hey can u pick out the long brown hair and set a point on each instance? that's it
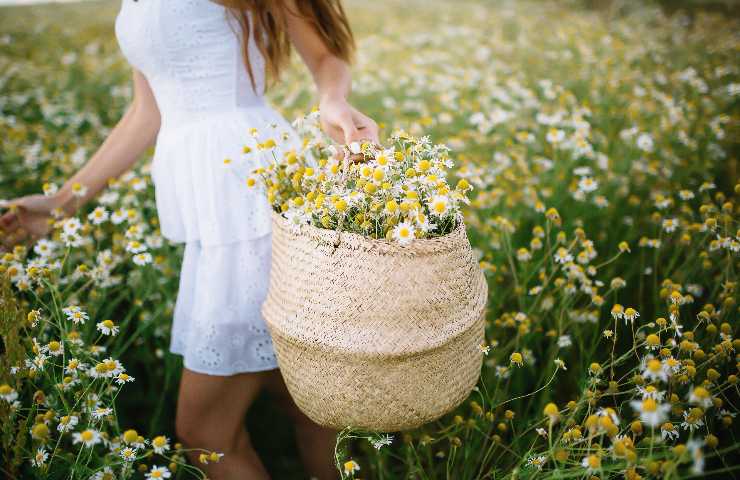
(271, 34)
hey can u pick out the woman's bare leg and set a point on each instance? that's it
(211, 415)
(315, 443)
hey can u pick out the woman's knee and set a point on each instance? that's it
(210, 411)
(188, 430)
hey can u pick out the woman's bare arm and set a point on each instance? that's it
(134, 133)
(333, 80)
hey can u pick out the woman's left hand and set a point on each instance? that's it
(345, 124)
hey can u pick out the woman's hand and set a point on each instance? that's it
(345, 124)
(28, 219)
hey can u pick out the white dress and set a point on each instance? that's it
(190, 53)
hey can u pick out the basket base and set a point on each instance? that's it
(384, 395)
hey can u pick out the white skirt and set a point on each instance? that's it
(217, 326)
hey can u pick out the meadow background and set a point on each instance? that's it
(601, 141)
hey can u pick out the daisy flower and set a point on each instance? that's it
(7, 393)
(124, 378)
(160, 444)
(588, 184)
(350, 467)
(39, 459)
(135, 246)
(105, 474)
(98, 216)
(562, 256)
(101, 412)
(537, 462)
(668, 432)
(439, 205)
(651, 412)
(655, 370)
(128, 454)
(67, 423)
(75, 314)
(158, 472)
(142, 259)
(692, 420)
(382, 441)
(88, 438)
(592, 463)
(700, 396)
(107, 327)
(404, 233)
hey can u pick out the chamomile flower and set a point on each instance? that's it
(537, 462)
(160, 444)
(439, 205)
(562, 256)
(129, 454)
(588, 184)
(156, 473)
(7, 393)
(591, 463)
(67, 423)
(655, 370)
(351, 467)
(40, 458)
(75, 314)
(101, 412)
(88, 438)
(668, 432)
(142, 259)
(404, 233)
(98, 216)
(652, 413)
(107, 327)
(700, 396)
(382, 441)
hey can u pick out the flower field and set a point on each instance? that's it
(600, 148)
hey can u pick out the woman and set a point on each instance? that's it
(199, 72)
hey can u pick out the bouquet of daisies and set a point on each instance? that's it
(397, 192)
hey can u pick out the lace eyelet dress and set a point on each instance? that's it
(190, 52)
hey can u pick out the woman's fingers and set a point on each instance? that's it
(366, 126)
(349, 129)
(8, 219)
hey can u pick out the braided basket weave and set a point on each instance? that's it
(372, 334)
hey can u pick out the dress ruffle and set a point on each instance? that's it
(201, 197)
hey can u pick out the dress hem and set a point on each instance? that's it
(215, 374)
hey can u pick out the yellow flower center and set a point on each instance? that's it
(159, 441)
(40, 430)
(130, 436)
(701, 392)
(654, 365)
(649, 405)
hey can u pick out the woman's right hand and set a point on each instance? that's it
(28, 219)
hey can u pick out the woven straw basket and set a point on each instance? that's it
(371, 334)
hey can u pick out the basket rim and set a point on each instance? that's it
(339, 239)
